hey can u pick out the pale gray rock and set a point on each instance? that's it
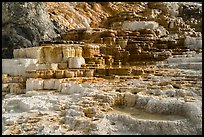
(76, 62)
(138, 25)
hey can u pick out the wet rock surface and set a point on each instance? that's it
(126, 71)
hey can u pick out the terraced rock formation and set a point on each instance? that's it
(114, 68)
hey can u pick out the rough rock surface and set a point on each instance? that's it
(98, 107)
(24, 24)
(141, 73)
(44, 21)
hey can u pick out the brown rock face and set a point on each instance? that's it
(151, 34)
(141, 67)
(61, 17)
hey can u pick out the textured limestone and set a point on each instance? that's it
(193, 42)
(5, 87)
(87, 107)
(195, 66)
(39, 67)
(48, 84)
(46, 74)
(69, 74)
(62, 65)
(191, 61)
(34, 84)
(50, 53)
(59, 74)
(16, 66)
(88, 73)
(90, 50)
(157, 127)
(72, 88)
(16, 88)
(76, 62)
(179, 60)
(67, 96)
(138, 25)
(67, 52)
(13, 79)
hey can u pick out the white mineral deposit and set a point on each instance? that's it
(111, 68)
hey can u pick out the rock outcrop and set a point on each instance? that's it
(44, 21)
(25, 24)
(116, 68)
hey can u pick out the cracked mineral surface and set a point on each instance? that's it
(147, 105)
(135, 72)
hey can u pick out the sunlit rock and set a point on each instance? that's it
(76, 62)
(193, 42)
(138, 25)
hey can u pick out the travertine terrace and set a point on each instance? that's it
(132, 74)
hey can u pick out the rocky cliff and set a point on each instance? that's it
(25, 24)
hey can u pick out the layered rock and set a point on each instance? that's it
(191, 61)
(85, 109)
(16, 66)
(192, 14)
(51, 53)
(76, 62)
(104, 80)
(138, 25)
(193, 42)
(13, 85)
